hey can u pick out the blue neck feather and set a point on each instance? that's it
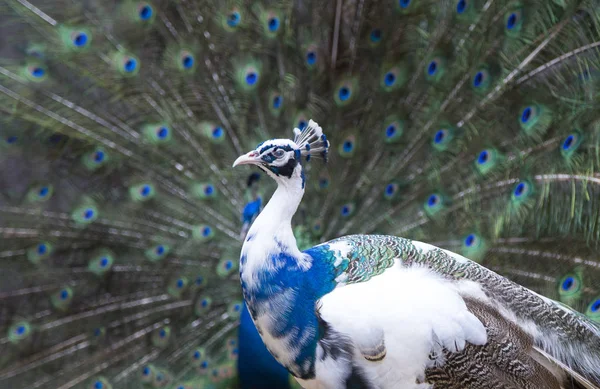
(297, 320)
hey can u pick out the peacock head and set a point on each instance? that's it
(282, 158)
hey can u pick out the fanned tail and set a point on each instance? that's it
(469, 124)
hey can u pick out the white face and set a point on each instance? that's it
(278, 157)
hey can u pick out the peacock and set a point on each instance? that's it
(455, 135)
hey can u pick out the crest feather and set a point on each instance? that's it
(311, 141)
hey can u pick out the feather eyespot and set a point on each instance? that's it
(461, 6)
(42, 248)
(521, 192)
(35, 72)
(344, 93)
(511, 21)
(38, 72)
(85, 214)
(142, 192)
(130, 65)
(393, 128)
(432, 68)
(251, 78)
(470, 240)
(526, 114)
(570, 288)
(187, 60)
(311, 58)
(39, 251)
(347, 210)
(390, 130)
(202, 305)
(101, 384)
(145, 190)
(64, 294)
(568, 283)
(79, 39)
(234, 19)
(19, 332)
(393, 76)
(162, 133)
(593, 311)
(570, 144)
(434, 204)
(217, 132)
(433, 200)
(439, 136)
(435, 69)
(389, 79)
(273, 24)
(277, 101)
(98, 156)
(520, 189)
(391, 190)
(375, 35)
(404, 3)
(145, 12)
(483, 157)
(202, 233)
(157, 252)
(348, 147)
(323, 183)
(40, 193)
(487, 160)
(478, 79)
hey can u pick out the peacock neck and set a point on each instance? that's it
(275, 220)
(273, 273)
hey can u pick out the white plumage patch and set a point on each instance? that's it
(414, 308)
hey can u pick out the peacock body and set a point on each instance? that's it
(468, 125)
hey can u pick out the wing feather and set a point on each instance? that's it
(568, 338)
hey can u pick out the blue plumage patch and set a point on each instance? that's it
(302, 288)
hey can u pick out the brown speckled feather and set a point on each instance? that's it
(507, 361)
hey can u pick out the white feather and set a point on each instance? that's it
(409, 305)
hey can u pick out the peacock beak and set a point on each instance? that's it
(247, 159)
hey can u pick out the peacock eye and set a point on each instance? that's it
(278, 153)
